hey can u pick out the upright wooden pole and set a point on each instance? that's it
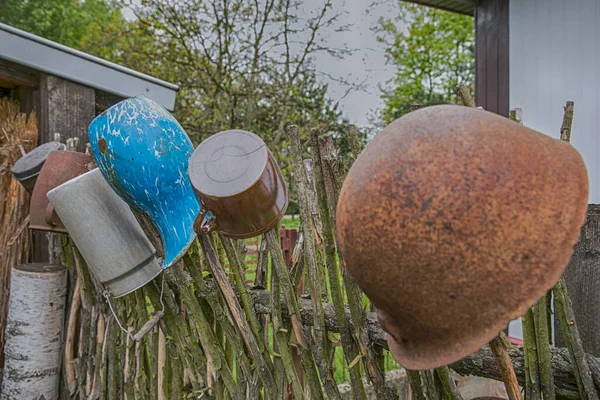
(583, 283)
(67, 108)
(564, 307)
(34, 332)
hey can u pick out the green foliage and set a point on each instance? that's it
(289, 223)
(73, 23)
(433, 51)
(240, 64)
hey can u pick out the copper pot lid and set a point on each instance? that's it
(228, 163)
(31, 164)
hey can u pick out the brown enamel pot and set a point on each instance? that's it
(60, 167)
(455, 221)
(239, 185)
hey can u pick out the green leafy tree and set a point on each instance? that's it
(241, 64)
(433, 51)
(79, 24)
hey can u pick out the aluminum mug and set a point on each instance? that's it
(106, 233)
(238, 182)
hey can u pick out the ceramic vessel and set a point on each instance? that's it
(454, 221)
(60, 167)
(239, 185)
(143, 153)
(106, 233)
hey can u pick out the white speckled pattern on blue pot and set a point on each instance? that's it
(143, 153)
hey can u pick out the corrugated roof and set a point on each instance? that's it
(466, 7)
(53, 58)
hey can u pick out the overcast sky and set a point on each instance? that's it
(365, 65)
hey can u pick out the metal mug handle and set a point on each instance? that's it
(210, 226)
(50, 215)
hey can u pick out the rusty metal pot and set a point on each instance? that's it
(455, 221)
(240, 187)
(27, 168)
(60, 167)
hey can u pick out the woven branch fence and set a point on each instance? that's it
(234, 325)
(243, 320)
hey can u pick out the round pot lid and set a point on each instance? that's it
(31, 163)
(227, 163)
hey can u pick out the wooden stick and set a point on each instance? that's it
(562, 302)
(148, 326)
(127, 379)
(451, 392)
(313, 271)
(238, 317)
(482, 363)
(414, 380)
(500, 349)
(162, 349)
(283, 342)
(566, 317)
(111, 360)
(236, 266)
(95, 317)
(206, 335)
(463, 93)
(291, 301)
(324, 154)
(567, 123)
(220, 314)
(542, 338)
(70, 340)
(350, 347)
(533, 390)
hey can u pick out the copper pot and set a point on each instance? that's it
(441, 217)
(60, 167)
(239, 185)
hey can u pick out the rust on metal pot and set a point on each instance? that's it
(455, 221)
(102, 145)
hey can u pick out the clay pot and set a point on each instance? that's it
(455, 221)
(60, 167)
(239, 185)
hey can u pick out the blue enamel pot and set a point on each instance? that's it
(142, 151)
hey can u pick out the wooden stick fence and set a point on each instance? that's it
(263, 318)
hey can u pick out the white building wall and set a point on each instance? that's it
(554, 57)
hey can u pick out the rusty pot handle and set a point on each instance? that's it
(210, 226)
(50, 215)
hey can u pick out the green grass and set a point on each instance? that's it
(290, 223)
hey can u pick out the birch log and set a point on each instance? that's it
(34, 332)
